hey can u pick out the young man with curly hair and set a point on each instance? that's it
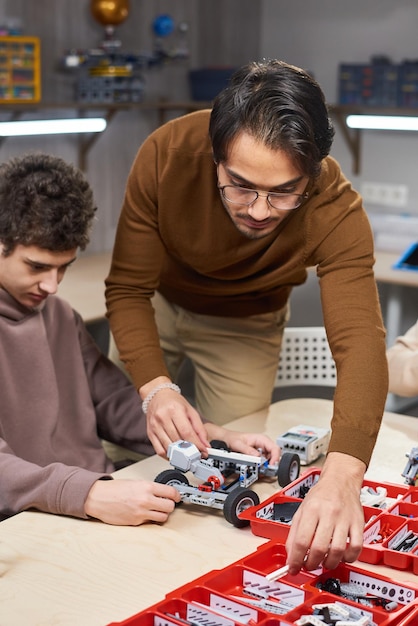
(59, 394)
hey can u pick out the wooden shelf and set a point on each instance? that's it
(14, 112)
(353, 136)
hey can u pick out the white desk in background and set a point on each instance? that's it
(83, 285)
(397, 280)
(64, 571)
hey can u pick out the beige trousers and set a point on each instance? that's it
(235, 359)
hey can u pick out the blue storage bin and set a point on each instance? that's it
(206, 83)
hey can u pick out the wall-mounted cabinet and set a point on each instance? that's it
(20, 69)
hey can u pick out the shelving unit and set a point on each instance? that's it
(109, 111)
(16, 110)
(20, 74)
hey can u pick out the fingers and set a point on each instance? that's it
(199, 430)
(324, 532)
(169, 421)
(166, 493)
(159, 507)
(320, 553)
(130, 502)
(161, 434)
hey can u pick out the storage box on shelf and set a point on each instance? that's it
(20, 69)
(379, 83)
(207, 82)
(371, 84)
(408, 84)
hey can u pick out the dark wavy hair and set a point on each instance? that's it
(278, 104)
(45, 202)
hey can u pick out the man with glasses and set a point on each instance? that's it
(224, 212)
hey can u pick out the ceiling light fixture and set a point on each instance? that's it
(52, 127)
(382, 122)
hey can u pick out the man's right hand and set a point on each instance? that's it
(170, 418)
(130, 502)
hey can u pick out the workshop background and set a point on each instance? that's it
(176, 37)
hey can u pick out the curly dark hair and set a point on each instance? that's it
(45, 202)
(278, 104)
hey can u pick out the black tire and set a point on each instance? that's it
(289, 468)
(217, 444)
(171, 477)
(237, 501)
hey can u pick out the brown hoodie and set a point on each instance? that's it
(59, 395)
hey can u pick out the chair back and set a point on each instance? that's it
(306, 358)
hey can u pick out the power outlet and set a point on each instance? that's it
(383, 194)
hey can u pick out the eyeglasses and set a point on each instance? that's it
(280, 201)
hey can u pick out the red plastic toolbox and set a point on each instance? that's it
(393, 556)
(264, 519)
(241, 594)
(388, 590)
(391, 493)
(405, 508)
(396, 503)
(344, 610)
(411, 495)
(375, 534)
(410, 619)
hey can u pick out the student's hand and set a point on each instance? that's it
(246, 443)
(328, 526)
(170, 418)
(130, 502)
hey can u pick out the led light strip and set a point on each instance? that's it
(52, 127)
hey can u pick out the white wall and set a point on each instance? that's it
(318, 36)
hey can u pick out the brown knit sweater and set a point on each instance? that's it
(174, 235)
(59, 395)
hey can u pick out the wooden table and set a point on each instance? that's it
(63, 571)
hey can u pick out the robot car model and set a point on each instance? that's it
(410, 472)
(226, 477)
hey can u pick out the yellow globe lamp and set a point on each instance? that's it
(109, 12)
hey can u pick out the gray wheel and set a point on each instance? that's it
(289, 468)
(171, 477)
(237, 501)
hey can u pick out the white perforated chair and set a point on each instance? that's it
(305, 358)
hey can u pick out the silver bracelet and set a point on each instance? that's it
(156, 389)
